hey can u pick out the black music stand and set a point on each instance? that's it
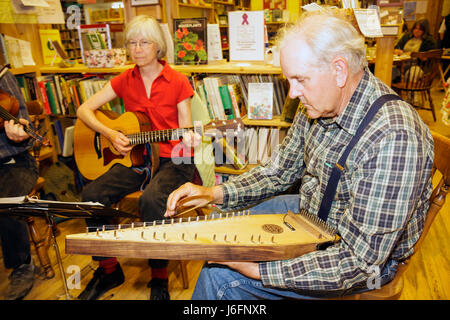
(26, 206)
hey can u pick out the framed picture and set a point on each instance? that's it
(390, 3)
(143, 2)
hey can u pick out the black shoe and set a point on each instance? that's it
(101, 283)
(159, 289)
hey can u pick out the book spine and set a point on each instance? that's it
(234, 100)
(51, 98)
(44, 97)
(226, 102)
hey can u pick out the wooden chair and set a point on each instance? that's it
(417, 76)
(393, 289)
(130, 203)
(40, 243)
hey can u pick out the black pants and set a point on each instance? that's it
(120, 181)
(17, 179)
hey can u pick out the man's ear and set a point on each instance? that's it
(341, 70)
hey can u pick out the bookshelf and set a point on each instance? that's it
(226, 68)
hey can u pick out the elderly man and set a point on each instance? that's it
(364, 164)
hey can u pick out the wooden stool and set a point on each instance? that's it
(130, 203)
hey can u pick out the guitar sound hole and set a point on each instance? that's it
(272, 228)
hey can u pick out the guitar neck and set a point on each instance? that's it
(156, 136)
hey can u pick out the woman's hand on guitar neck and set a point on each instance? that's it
(120, 142)
(201, 197)
(15, 131)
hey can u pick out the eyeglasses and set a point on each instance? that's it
(143, 44)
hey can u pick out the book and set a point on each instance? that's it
(95, 41)
(260, 100)
(87, 41)
(44, 97)
(232, 89)
(14, 53)
(226, 102)
(48, 51)
(190, 41)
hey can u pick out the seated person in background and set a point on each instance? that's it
(163, 94)
(382, 197)
(18, 175)
(416, 40)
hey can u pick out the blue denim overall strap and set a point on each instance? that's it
(330, 190)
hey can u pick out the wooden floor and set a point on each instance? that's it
(427, 278)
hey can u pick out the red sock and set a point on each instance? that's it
(108, 264)
(160, 273)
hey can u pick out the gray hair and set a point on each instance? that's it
(328, 35)
(150, 30)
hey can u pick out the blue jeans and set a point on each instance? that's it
(218, 282)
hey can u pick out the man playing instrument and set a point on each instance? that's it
(163, 94)
(382, 196)
(18, 175)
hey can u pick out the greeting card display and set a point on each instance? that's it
(190, 41)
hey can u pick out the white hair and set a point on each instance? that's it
(328, 35)
(150, 30)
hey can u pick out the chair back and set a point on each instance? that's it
(422, 69)
(441, 165)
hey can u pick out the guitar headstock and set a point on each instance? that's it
(232, 127)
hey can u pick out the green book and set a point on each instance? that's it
(51, 97)
(226, 101)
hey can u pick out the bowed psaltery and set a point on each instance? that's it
(231, 236)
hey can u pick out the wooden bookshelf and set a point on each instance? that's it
(274, 122)
(225, 67)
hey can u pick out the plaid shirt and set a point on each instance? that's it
(381, 200)
(9, 148)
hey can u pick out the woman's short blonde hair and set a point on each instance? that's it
(328, 34)
(150, 30)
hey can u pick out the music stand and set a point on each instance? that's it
(26, 206)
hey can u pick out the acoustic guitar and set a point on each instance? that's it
(95, 154)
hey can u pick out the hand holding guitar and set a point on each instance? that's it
(120, 142)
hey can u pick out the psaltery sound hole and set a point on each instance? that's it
(272, 228)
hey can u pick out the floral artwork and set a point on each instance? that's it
(190, 41)
(105, 58)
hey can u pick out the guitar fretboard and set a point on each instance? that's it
(159, 135)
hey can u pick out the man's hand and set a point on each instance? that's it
(15, 131)
(213, 194)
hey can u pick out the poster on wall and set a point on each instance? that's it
(190, 41)
(246, 33)
(409, 11)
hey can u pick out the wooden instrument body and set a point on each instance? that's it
(236, 237)
(10, 104)
(95, 154)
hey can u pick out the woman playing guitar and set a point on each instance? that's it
(163, 95)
